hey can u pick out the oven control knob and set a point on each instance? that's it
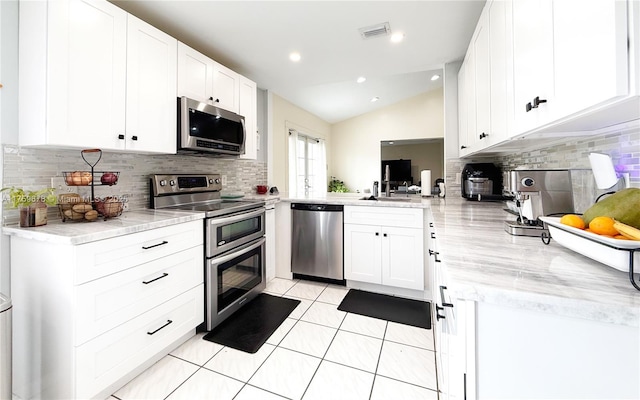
(528, 182)
(217, 181)
(163, 183)
(172, 183)
(210, 181)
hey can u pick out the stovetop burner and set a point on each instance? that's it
(193, 192)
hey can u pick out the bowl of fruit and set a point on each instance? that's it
(606, 232)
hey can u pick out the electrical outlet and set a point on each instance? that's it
(224, 180)
(458, 178)
(60, 186)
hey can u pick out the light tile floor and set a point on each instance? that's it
(319, 352)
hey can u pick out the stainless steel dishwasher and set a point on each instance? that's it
(317, 241)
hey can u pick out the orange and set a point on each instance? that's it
(572, 220)
(603, 226)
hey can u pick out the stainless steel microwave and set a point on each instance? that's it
(205, 128)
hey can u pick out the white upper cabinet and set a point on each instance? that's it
(248, 109)
(201, 78)
(532, 63)
(72, 73)
(551, 67)
(80, 83)
(151, 89)
(500, 70)
(482, 78)
(226, 88)
(195, 74)
(570, 57)
(590, 56)
(463, 113)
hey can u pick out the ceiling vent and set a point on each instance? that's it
(377, 30)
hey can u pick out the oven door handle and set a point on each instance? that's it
(240, 251)
(236, 217)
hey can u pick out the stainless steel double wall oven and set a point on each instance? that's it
(234, 267)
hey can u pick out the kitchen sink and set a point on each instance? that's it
(386, 198)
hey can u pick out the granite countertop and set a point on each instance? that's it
(76, 233)
(355, 199)
(486, 264)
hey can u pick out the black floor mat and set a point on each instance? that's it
(390, 308)
(249, 327)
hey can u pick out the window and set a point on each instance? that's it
(307, 165)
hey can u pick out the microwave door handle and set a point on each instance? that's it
(237, 217)
(228, 257)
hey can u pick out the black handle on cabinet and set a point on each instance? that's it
(134, 137)
(153, 280)
(434, 254)
(537, 101)
(169, 322)
(216, 100)
(121, 136)
(483, 135)
(433, 235)
(444, 303)
(528, 107)
(463, 147)
(438, 316)
(155, 245)
(384, 234)
(430, 224)
(377, 233)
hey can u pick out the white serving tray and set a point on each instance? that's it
(609, 251)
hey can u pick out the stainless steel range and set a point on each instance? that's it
(234, 247)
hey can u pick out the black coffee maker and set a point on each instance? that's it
(482, 181)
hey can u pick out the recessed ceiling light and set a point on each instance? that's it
(295, 56)
(397, 37)
(375, 99)
(435, 77)
(390, 142)
(361, 79)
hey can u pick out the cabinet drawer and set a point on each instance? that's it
(384, 216)
(105, 303)
(109, 357)
(105, 257)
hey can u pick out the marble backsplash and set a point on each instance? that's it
(623, 147)
(32, 169)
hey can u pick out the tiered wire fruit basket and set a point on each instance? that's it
(74, 207)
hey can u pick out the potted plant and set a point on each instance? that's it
(32, 205)
(337, 186)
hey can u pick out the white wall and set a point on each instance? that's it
(285, 116)
(355, 143)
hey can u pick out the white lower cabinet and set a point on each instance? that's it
(384, 246)
(496, 350)
(87, 318)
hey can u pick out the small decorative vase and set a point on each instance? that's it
(33, 215)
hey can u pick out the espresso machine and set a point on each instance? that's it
(537, 193)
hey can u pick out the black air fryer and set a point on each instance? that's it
(482, 181)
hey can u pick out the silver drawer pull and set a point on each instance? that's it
(153, 280)
(155, 245)
(169, 322)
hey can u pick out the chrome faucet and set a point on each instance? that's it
(375, 188)
(387, 175)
